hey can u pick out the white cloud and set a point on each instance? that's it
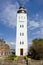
(33, 24)
(11, 44)
(41, 23)
(37, 15)
(41, 30)
(1, 34)
(36, 22)
(8, 16)
(39, 2)
(24, 2)
(37, 32)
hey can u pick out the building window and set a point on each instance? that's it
(21, 25)
(20, 42)
(21, 17)
(21, 34)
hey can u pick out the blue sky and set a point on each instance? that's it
(8, 9)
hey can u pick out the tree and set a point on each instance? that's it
(36, 49)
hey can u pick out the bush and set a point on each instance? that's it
(26, 57)
(11, 57)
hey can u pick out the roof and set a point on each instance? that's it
(21, 10)
(21, 7)
(3, 45)
(7, 46)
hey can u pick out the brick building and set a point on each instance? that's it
(4, 48)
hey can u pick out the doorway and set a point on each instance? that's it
(21, 51)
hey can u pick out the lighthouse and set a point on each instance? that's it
(21, 32)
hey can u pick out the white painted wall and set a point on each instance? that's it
(21, 17)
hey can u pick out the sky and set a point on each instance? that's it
(8, 11)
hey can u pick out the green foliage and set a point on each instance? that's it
(11, 57)
(26, 57)
(36, 49)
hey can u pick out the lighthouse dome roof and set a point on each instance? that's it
(21, 10)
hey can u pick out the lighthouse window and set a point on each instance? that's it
(21, 25)
(22, 34)
(22, 42)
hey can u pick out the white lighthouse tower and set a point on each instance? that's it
(21, 32)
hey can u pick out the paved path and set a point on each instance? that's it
(21, 61)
